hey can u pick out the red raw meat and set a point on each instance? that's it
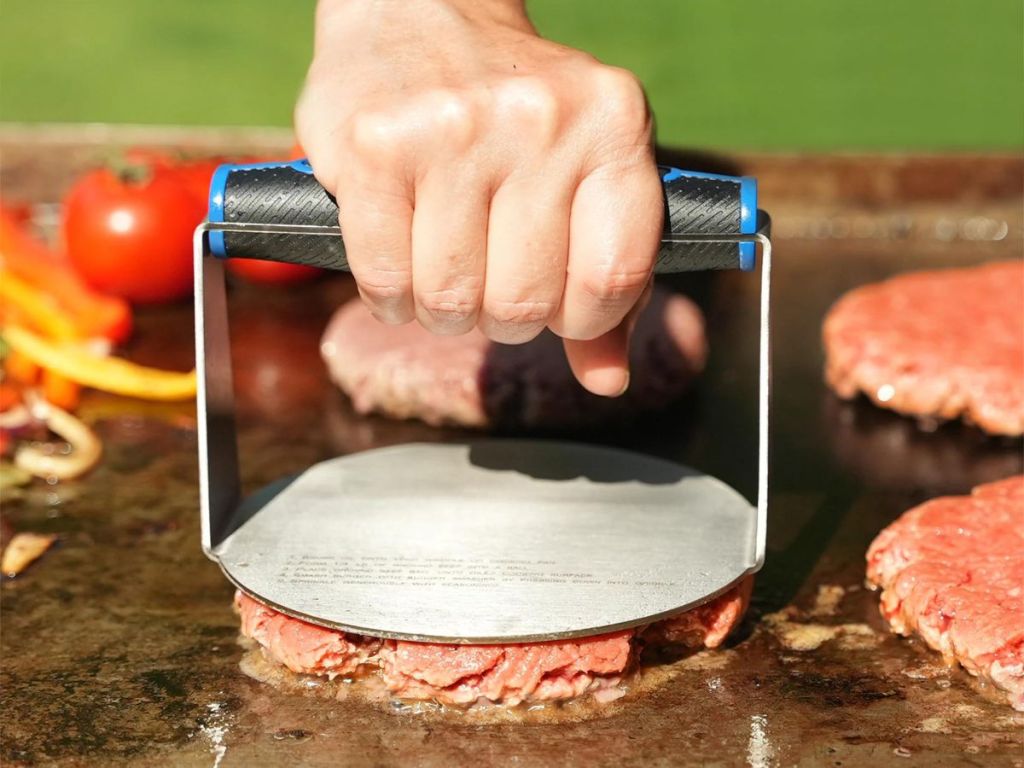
(952, 570)
(406, 372)
(506, 674)
(945, 344)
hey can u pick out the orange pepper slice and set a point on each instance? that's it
(94, 313)
(38, 307)
(21, 369)
(110, 374)
(61, 391)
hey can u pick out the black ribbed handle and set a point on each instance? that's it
(288, 196)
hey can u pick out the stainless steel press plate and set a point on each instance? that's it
(491, 541)
(487, 542)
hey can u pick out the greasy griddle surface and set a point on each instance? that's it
(119, 646)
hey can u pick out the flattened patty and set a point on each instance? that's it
(952, 571)
(502, 674)
(946, 344)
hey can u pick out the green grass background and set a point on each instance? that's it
(737, 74)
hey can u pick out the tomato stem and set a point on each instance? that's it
(130, 171)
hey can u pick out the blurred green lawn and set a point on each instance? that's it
(747, 74)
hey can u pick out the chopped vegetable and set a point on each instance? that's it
(9, 396)
(40, 308)
(95, 314)
(12, 476)
(23, 550)
(15, 417)
(110, 374)
(129, 233)
(20, 368)
(45, 460)
(11, 314)
(61, 391)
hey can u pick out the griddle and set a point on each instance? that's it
(119, 646)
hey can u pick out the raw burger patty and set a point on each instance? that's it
(467, 674)
(940, 344)
(406, 372)
(952, 570)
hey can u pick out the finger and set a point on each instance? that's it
(601, 365)
(614, 230)
(376, 225)
(449, 241)
(527, 250)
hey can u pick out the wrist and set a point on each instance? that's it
(509, 13)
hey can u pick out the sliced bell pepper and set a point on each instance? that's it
(61, 391)
(38, 307)
(95, 314)
(9, 396)
(110, 374)
(21, 369)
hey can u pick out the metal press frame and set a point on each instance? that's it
(220, 485)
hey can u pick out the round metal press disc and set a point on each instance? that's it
(493, 541)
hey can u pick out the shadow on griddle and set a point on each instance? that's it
(561, 462)
(788, 569)
(531, 388)
(881, 453)
(893, 452)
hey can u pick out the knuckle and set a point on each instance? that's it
(615, 284)
(539, 99)
(381, 294)
(375, 133)
(454, 115)
(532, 103)
(325, 171)
(522, 312)
(384, 286)
(623, 100)
(451, 303)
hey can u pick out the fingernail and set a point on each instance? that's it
(625, 385)
(607, 382)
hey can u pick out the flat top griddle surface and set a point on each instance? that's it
(119, 646)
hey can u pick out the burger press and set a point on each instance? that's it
(486, 541)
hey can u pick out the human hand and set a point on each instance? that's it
(485, 176)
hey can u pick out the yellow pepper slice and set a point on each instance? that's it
(110, 374)
(38, 307)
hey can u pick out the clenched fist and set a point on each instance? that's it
(485, 176)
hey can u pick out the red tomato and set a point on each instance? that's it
(133, 238)
(195, 172)
(272, 272)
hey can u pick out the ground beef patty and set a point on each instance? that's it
(952, 570)
(944, 344)
(468, 674)
(406, 372)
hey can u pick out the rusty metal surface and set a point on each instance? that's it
(119, 646)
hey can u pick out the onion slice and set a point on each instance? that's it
(23, 550)
(15, 418)
(86, 447)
